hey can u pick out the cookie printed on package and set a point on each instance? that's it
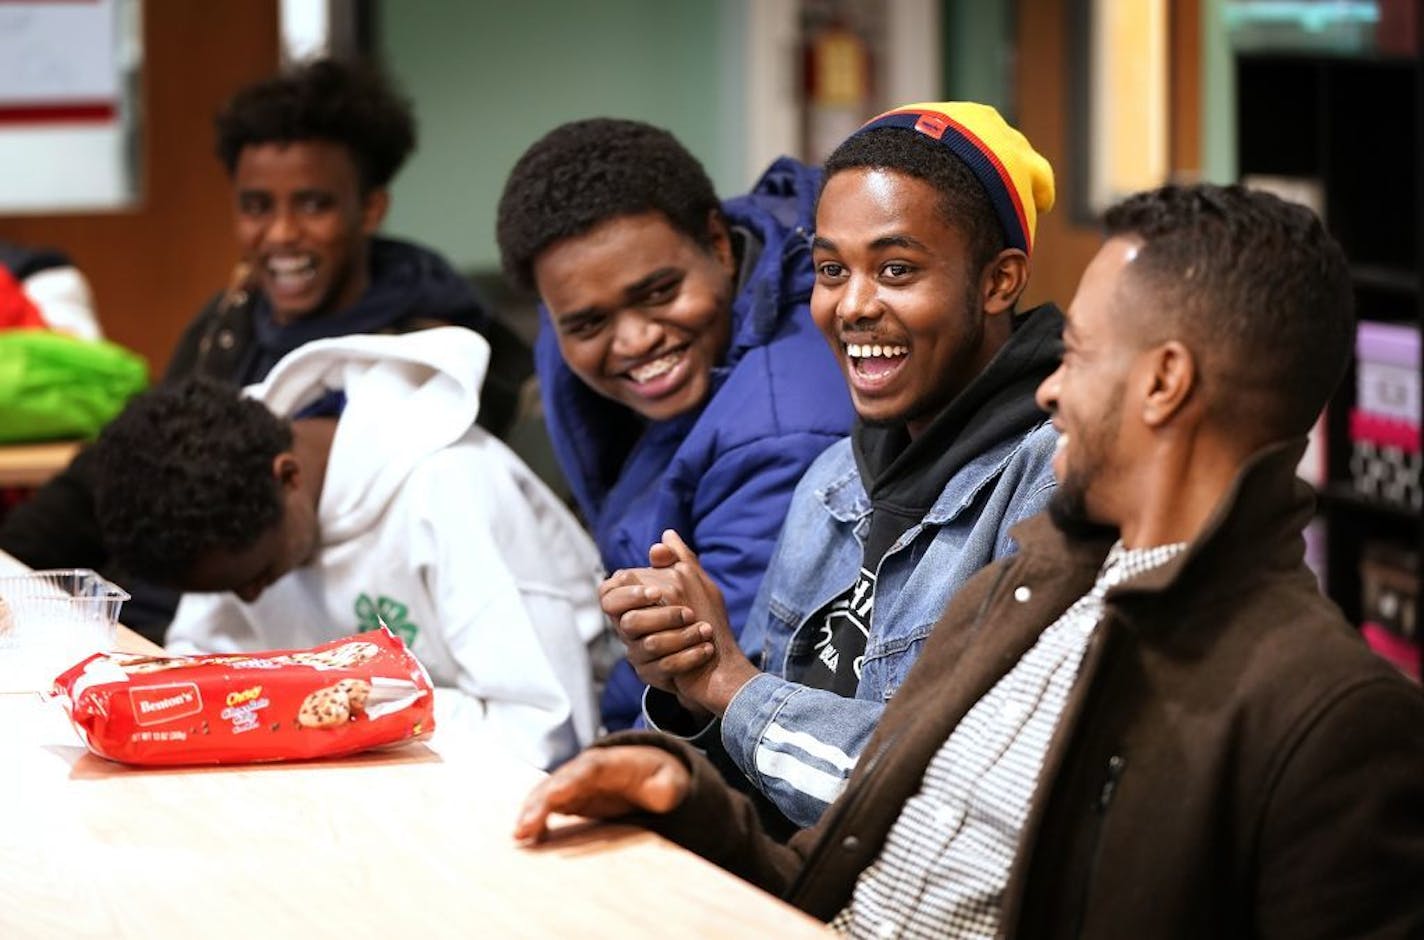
(338, 698)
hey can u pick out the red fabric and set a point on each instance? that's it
(17, 311)
(1386, 432)
(1402, 653)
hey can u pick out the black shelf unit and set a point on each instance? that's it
(1355, 124)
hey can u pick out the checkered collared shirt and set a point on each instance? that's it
(946, 860)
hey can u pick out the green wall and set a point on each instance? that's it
(489, 78)
(978, 52)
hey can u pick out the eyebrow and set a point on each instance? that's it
(883, 242)
(899, 241)
(639, 286)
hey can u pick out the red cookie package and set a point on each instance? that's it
(338, 698)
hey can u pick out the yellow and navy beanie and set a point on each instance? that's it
(1017, 178)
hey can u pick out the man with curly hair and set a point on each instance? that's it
(310, 153)
(353, 487)
(684, 383)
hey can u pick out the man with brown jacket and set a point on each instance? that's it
(1148, 723)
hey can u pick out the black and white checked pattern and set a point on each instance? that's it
(1388, 473)
(946, 860)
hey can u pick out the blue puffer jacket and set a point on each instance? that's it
(721, 475)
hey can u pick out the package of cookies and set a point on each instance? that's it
(338, 698)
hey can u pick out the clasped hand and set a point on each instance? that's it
(673, 620)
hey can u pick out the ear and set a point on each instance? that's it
(287, 470)
(373, 210)
(720, 238)
(1003, 280)
(1171, 383)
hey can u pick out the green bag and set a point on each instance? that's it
(53, 385)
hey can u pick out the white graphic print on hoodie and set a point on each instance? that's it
(428, 520)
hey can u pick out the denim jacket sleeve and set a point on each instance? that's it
(798, 745)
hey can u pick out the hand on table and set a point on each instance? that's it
(674, 621)
(604, 783)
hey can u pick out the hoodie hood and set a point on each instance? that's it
(406, 282)
(436, 373)
(592, 435)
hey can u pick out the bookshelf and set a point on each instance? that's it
(1352, 128)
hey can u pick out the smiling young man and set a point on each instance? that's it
(684, 383)
(923, 237)
(1149, 723)
(299, 514)
(310, 153)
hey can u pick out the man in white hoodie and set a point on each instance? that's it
(352, 487)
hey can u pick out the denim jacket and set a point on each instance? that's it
(798, 745)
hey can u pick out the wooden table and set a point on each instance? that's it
(34, 464)
(408, 843)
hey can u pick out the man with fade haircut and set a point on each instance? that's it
(310, 153)
(684, 383)
(1149, 723)
(924, 234)
(352, 488)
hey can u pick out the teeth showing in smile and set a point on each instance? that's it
(291, 273)
(651, 370)
(867, 351)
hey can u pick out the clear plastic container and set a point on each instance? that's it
(50, 620)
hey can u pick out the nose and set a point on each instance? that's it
(282, 229)
(251, 591)
(635, 334)
(1047, 394)
(859, 301)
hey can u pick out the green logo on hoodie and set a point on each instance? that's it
(369, 615)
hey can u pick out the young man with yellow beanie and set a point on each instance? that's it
(924, 232)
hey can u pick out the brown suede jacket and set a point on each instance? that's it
(1233, 761)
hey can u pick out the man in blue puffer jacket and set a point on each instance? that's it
(684, 383)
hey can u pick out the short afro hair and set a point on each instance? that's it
(184, 470)
(585, 172)
(1257, 288)
(963, 203)
(346, 104)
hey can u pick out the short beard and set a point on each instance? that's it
(1068, 509)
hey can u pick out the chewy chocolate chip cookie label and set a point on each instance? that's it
(338, 698)
(244, 709)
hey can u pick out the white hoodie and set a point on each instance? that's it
(432, 523)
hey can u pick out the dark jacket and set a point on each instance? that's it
(721, 475)
(410, 288)
(1232, 762)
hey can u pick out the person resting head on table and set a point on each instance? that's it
(310, 154)
(684, 383)
(351, 487)
(924, 237)
(1149, 723)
